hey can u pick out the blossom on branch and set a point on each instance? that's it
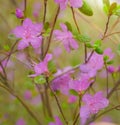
(29, 34)
(66, 37)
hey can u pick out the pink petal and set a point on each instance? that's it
(22, 44)
(76, 3)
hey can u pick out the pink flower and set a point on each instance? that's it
(21, 121)
(93, 104)
(95, 63)
(81, 84)
(29, 34)
(57, 121)
(42, 67)
(73, 3)
(62, 84)
(66, 37)
(19, 13)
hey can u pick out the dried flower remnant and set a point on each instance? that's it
(29, 34)
(66, 37)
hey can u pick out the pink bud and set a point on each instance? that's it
(19, 13)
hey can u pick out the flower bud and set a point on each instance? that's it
(19, 13)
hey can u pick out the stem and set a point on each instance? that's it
(113, 89)
(106, 111)
(48, 103)
(106, 28)
(106, 78)
(45, 10)
(75, 19)
(76, 119)
(51, 33)
(57, 101)
(25, 7)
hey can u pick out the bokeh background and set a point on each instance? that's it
(10, 109)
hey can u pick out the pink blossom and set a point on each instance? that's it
(81, 84)
(57, 121)
(111, 69)
(42, 67)
(95, 63)
(29, 34)
(19, 13)
(93, 104)
(66, 37)
(21, 121)
(73, 3)
(62, 84)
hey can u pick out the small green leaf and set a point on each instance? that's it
(88, 45)
(99, 50)
(86, 9)
(107, 2)
(68, 26)
(6, 47)
(112, 7)
(83, 38)
(46, 25)
(97, 44)
(73, 92)
(52, 67)
(40, 79)
(106, 9)
(105, 58)
(47, 33)
(110, 62)
(117, 11)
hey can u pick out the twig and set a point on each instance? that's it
(57, 101)
(51, 33)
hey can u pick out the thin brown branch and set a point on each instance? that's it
(51, 33)
(57, 101)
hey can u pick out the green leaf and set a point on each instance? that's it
(99, 50)
(52, 67)
(46, 25)
(112, 8)
(106, 9)
(105, 58)
(89, 45)
(97, 44)
(6, 47)
(68, 26)
(83, 38)
(73, 92)
(40, 79)
(86, 9)
(47, 33)
(117, 11)
(106, 2)
(110, 62)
